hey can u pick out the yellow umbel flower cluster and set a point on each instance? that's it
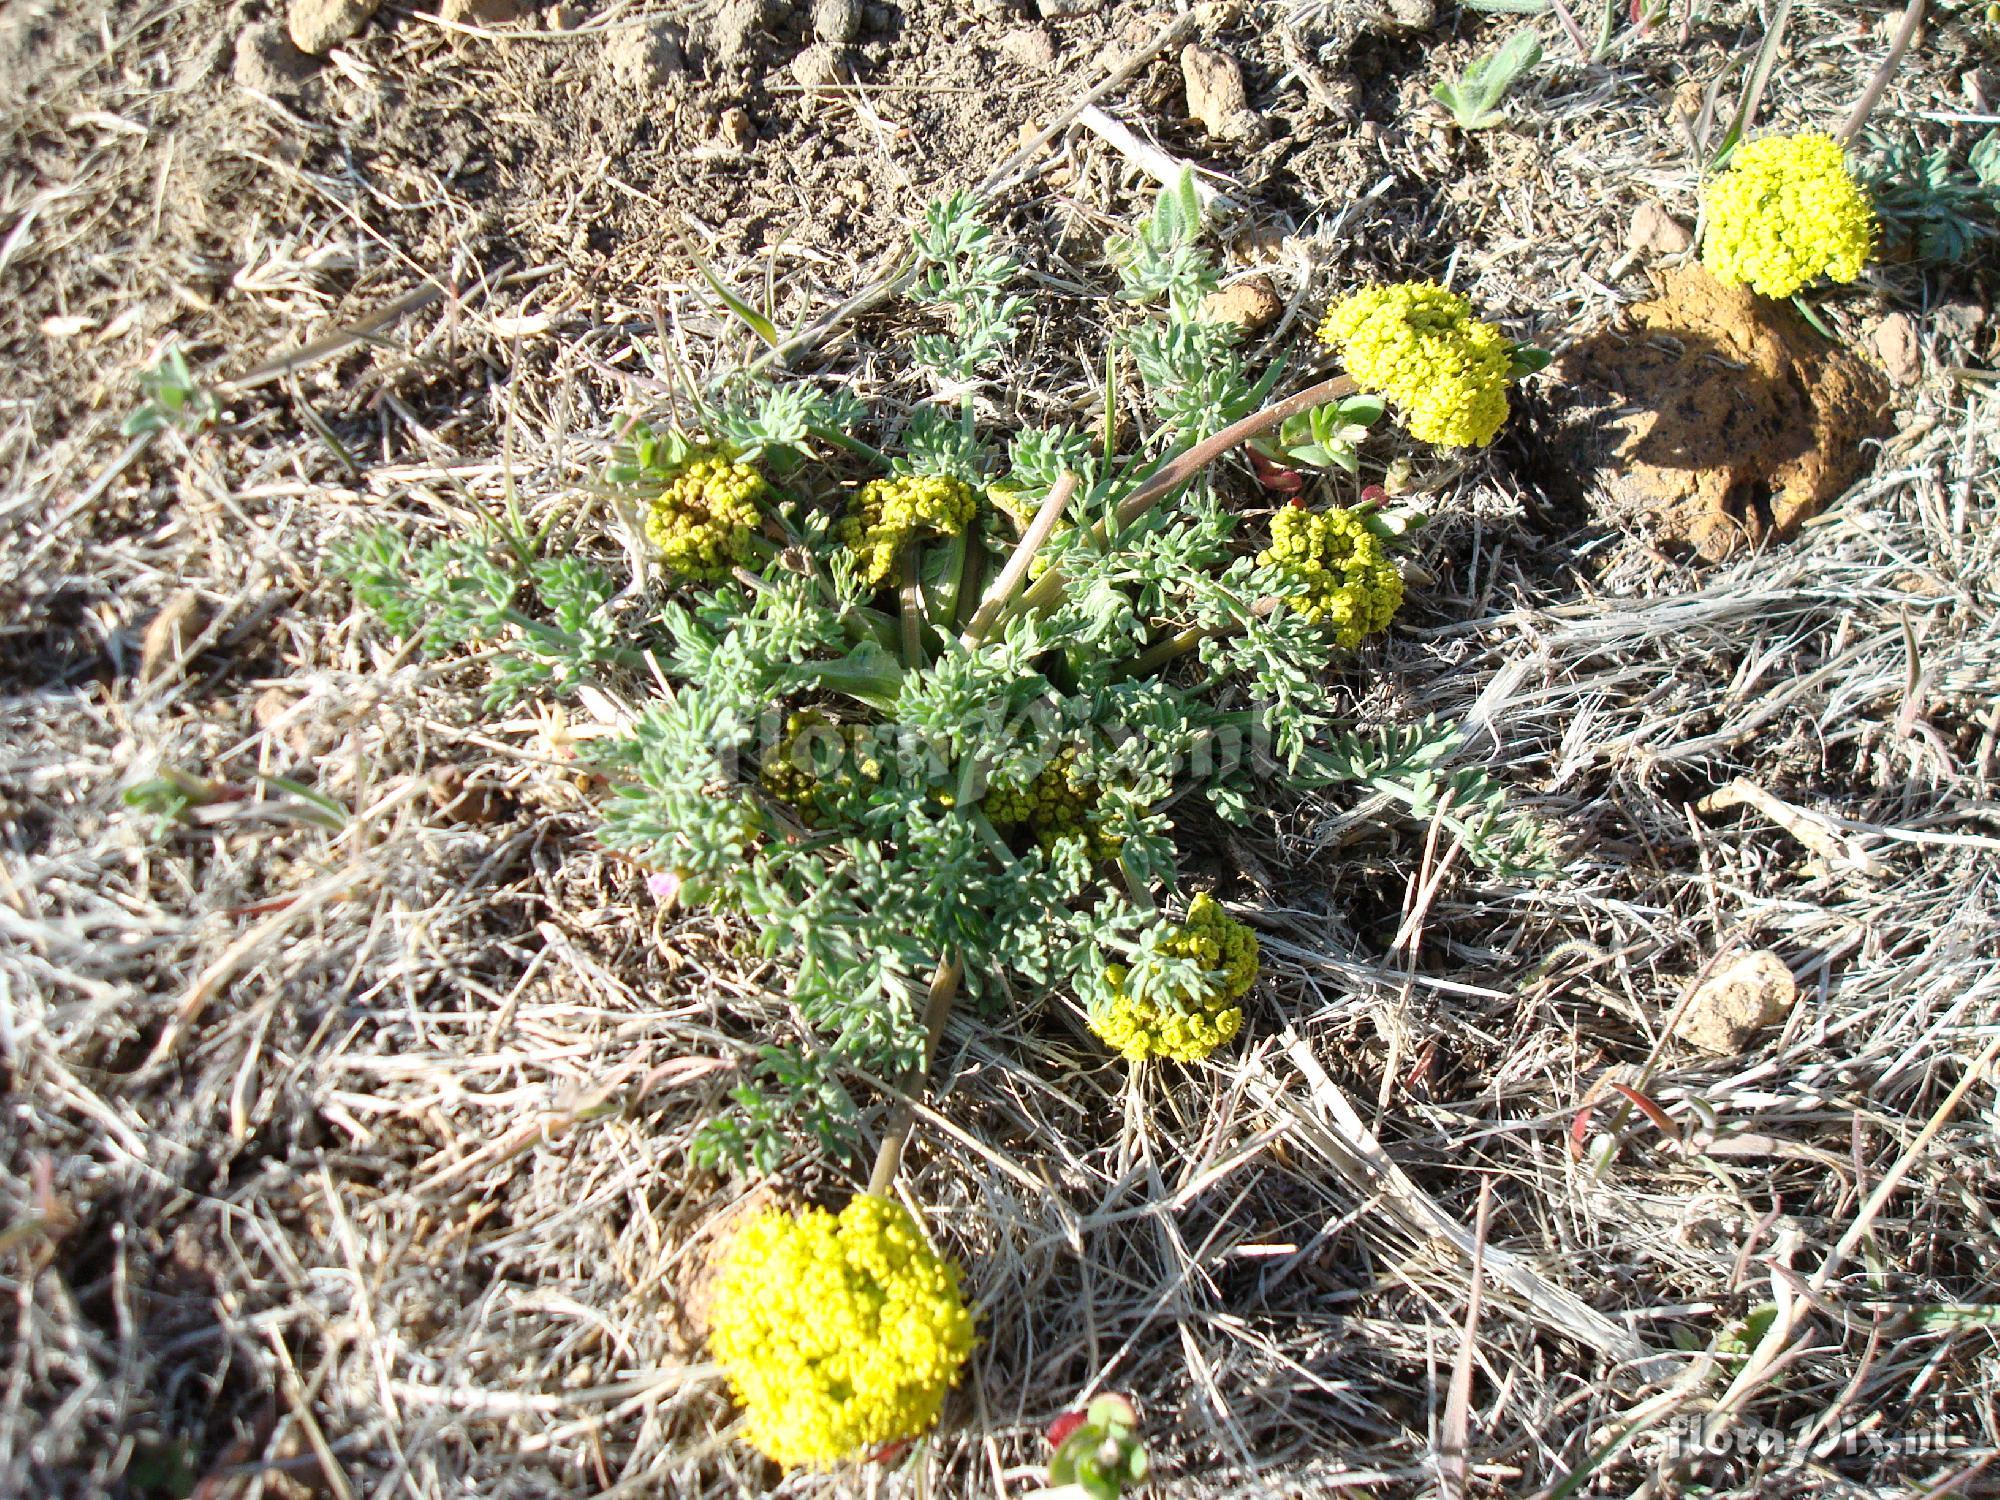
(1210, 1017)
(1343, 575)
(1785, 211)
(791, 772)
(1058, 804)
(838, 1334)
(1420, 346)
(703, 519)
(886, 514)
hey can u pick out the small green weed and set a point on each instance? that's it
(1473, 101)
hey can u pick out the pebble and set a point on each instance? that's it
(1215, 93)
(1959, 320)
(566, 17)
(266, 60)
(734, 128)
(818, 67)
(733, 31)
(1414, 15)
(836, 21)
(482, 12)
(1654, 231)
(1736, 1002)
(1055, 9)
(1896, 343)
(1030, 46)
(318, 26)
(171, 632)
(1251, 304)
(646, 57)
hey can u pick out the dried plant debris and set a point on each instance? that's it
(406, 1203)
(1712, 418)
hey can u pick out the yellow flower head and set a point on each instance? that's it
(702, 520)
(1343, 575)
(1785, 211)
(1208, 1017)
(1420, 346)
(813, 743)
(838, 1334)
(885, 514)
(1058, 804)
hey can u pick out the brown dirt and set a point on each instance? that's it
(1715, 418)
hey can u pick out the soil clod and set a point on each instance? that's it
(1736, 1002)
(1215, 94)
(1714, 417)
(318, 26)
(646, 57)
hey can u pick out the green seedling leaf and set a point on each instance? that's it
(1473, 101)
(1753, 87)
(744, 313)
(1526, 359)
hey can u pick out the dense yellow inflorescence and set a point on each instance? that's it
(813, 743)
(887, 514)
(1058, 804)
(1141, 1030)
(1785, 211)
(1343, 574)
(703, 520)
(838, 1334)
(1420, 346)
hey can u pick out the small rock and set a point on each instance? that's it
(856, 189)
(266, 60)
(318, 26)
(1251, 304)
(1215, 93)
(482, 12)
(1030, 46)
(1959, 320)
(995, 10)
(566, 17)
(1218, 15)
(734, 129)
(1054, 9)
(837, 21)
(818, 67)
(170, 633)
(646, 57)
(732, 32)
(1897, 345)
(1654, 231)
(1736, 1002)
(1414, 15)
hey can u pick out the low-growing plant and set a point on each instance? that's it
(1941, 206)
(1098, 1450)
(920, 710)
(1473, 98)
(173, 398)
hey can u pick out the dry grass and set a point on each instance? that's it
(352, 1161)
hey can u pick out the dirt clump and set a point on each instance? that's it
(1711, 416)
(318, 26)
(1739, 1000)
